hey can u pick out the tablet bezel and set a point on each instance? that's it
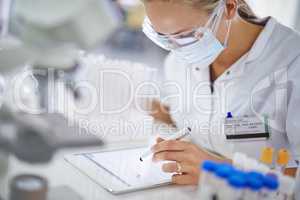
(78, 161)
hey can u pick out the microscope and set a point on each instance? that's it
(46, 36)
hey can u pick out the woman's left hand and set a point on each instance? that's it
(187, 156)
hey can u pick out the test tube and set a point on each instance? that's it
(267, 156)
(237, 183)
(297, 185)
(207, 170)
(254, 185)
(239, 160)
(286, 188)
(206, 184)
(222, 173)
(2, 89)
(271, 185)
(283, 157)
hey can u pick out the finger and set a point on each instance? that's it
(158, 140)
(170, 167)
(185, 179)
(170, 145)
(174, 168)
(177, 156)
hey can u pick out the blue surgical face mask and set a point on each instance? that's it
(199, 47)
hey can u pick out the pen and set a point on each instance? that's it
(177, 136)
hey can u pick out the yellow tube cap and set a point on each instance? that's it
(267, 155)
(283, 157)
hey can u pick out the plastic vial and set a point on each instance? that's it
(271, 186)
(254, 185)
(267, 156)
(282, 161)
(222, 173)
(297, 187)
(206, 186)
(237, 184)
(208, 168)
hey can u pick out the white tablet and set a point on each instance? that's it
(120, 171)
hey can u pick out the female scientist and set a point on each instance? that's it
(233, 78)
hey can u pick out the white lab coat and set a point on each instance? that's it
(265, 81)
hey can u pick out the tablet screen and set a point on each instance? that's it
(121, 170)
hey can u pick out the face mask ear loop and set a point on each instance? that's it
(229, 22)
(218, 21)
(227, 34)
(211, 22)
(216, 18)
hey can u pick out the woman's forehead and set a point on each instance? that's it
(173, 18)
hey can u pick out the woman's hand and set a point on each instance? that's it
(188, 158)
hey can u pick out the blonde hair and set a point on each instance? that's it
(209, 5)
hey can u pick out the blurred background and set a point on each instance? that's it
(129, 42)
(286, 12)
(126, 42)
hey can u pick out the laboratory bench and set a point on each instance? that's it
(61, 175)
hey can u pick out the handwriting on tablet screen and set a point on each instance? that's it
(126, 166)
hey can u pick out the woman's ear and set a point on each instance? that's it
(231, 9)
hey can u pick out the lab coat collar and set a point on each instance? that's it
(262, 40)
(235, 71)
(239, 68)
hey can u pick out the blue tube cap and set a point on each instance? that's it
(237, 181)
(255, 175)
(209, 166)
(229, 115)
(271, 182)
(254, 183)
(224, 170)
(239, 172)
